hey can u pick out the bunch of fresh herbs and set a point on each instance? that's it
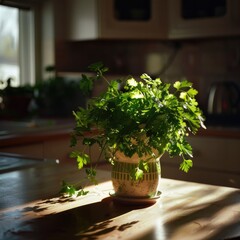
(135, 117)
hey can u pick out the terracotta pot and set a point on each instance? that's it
(124, 186)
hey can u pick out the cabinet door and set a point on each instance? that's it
(233, 160)
(59, 149)
(220, 20)
(29, 150)
(215, 161)
(133, 19)
(208, 153)
(106, 19)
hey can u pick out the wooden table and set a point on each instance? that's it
(31, 208)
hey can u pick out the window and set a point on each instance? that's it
(16, 46)
(9, 35)
(203, 8)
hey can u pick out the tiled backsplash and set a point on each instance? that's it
(200, 61)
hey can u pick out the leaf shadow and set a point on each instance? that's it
(85, 222)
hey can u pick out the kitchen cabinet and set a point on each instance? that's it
(48, 148)
(111, 19)
(218, 154)
(29, 150)
(202, 19)
(60, 149)
(215, 161)
(156, 19)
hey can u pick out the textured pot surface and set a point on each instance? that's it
(125, 186)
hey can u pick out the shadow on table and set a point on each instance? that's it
(85, 222)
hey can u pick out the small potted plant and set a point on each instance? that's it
(134, 122)
(52, 92)
(15, 101)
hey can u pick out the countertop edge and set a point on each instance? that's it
(27, 138)
(21, 139)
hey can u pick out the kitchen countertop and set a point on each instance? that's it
(24, 132)
(31, 208)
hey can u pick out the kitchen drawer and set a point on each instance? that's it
(213, 153)
(28, 150)
(57, 149)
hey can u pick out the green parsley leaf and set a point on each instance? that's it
(91, 174)
(136, 174)
(186, 165)
(70, 190)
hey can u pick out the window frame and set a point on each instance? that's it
(27, 45)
